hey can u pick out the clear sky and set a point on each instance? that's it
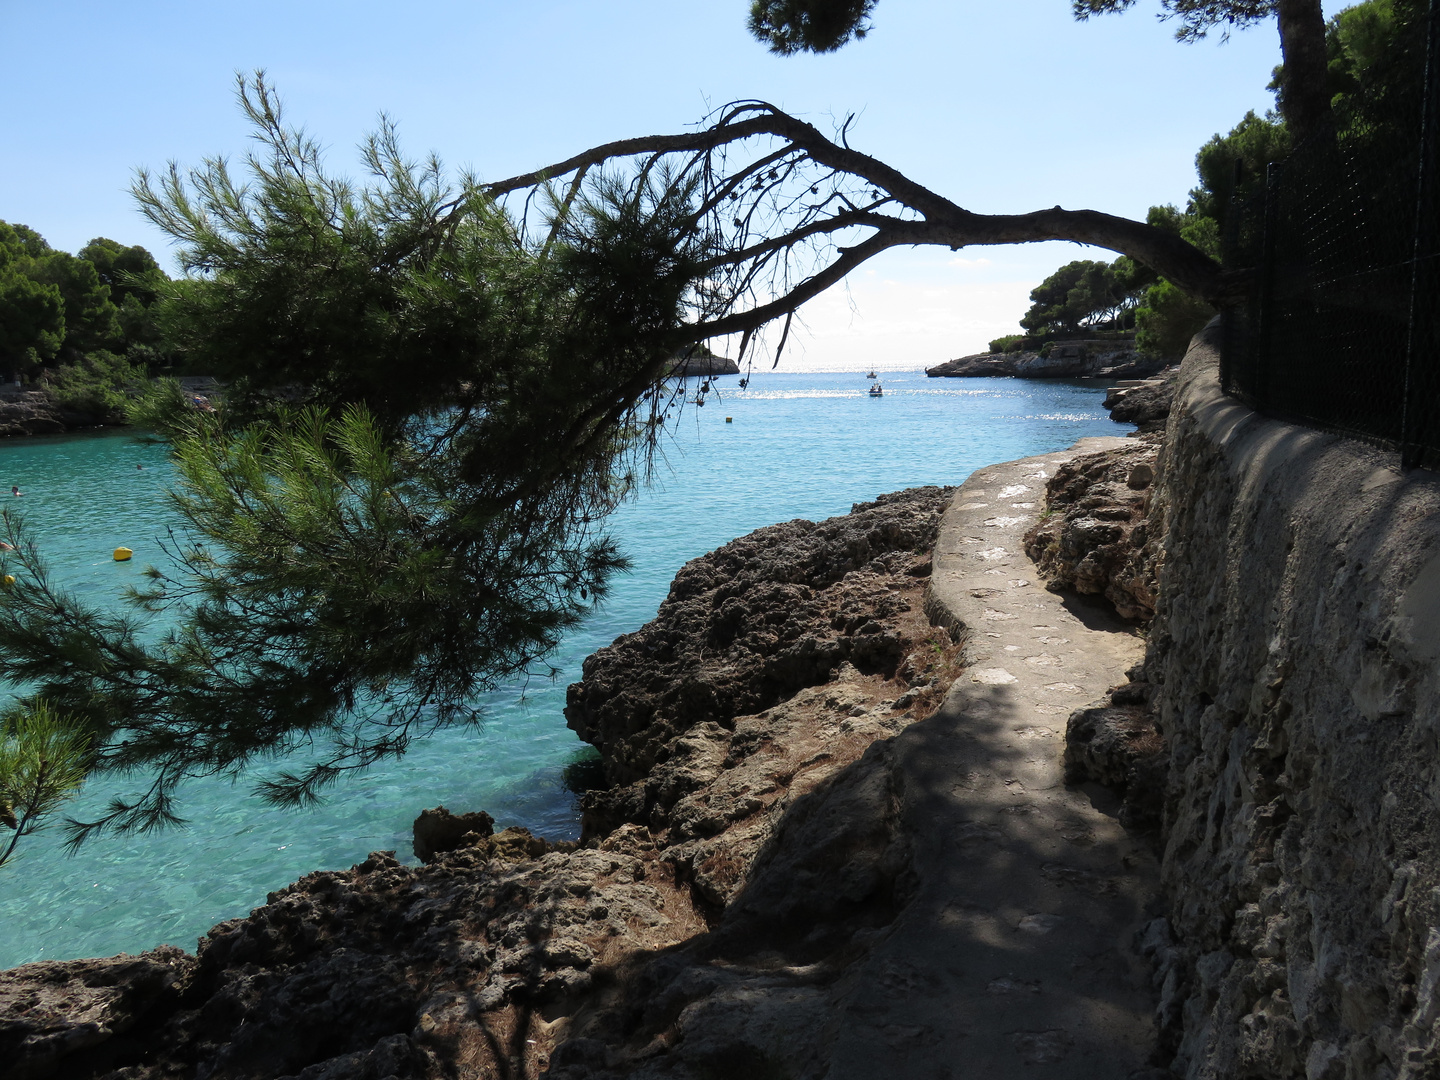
(1000, 105)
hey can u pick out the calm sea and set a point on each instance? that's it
(798, 445)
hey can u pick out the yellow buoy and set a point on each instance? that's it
(8, 579)
(122, 554)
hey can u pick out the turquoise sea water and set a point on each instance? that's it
(800, 445)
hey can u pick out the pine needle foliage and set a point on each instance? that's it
(400, 505)
(44, 760)
(817, 26)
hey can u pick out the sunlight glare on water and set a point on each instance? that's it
(799, 445)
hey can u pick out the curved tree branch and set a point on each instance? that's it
(779, 220)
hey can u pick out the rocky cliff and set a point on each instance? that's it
(1058, 360)
(1144, 403)
(1096, 537)
(34, 413)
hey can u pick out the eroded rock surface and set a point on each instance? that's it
(1116, 742)
(1299, 643)
(1147, 405)
(749, 624)
(72, 1012)
(1097, 538)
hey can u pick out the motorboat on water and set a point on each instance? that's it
(869, 375)
(875, 390)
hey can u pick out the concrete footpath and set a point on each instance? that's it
(1016, 957)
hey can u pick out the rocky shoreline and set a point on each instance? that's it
(743, 851)
(703, 366)
(842, 884)
(35, 412)
(733, 877)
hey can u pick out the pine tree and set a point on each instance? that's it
(432, 410)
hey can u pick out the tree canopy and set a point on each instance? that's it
(790, 26)
(819, 26)
(1086, 295)
(81, 325)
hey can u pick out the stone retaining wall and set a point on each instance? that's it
(1298, 639)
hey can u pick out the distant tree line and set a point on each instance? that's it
(82, 325)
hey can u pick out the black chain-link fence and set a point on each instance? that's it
(1340, 330)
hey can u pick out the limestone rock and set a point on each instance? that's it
(30, 413)
(1147, 405)
(53, 1013)
(704, 365)
(748, 625)
(439, 830)
(1097, 538)
(1116, 742)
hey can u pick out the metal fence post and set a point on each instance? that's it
(1264, 329)
(1421, 397)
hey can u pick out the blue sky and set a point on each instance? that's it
(1000, 106)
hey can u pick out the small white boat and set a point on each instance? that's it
(870, 375)
(876, 391)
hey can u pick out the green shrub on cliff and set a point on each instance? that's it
(99, 384)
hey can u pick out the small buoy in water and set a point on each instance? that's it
(7, 580)
(727, 419)
(122, 554)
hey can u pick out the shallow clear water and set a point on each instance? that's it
(800, 445)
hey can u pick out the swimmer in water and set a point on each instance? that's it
(15, 490)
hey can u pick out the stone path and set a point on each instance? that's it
(1016, 956)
